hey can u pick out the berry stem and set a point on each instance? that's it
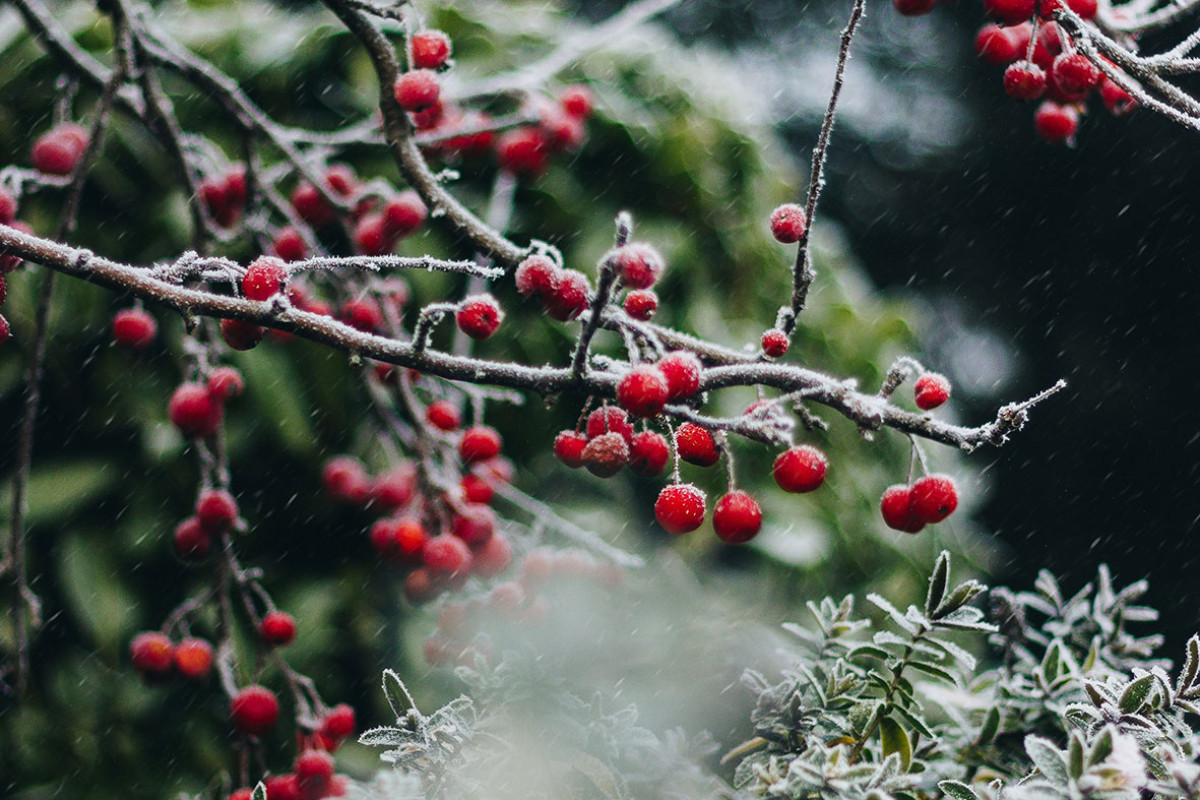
(608, 273)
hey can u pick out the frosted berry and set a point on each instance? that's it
(193, 411)
(492, 557)
(312, 207)
(224, 383)
(800, 469)
(404, 214)
(537, 277)
(897, 509)
(339, 723)
(152, 653)
(696, 445)
(931, 390)
(1054, 123)
(605, 455)
(264, 278)
(345, 478)
(289, 245)
(396, 487)
(371, 237)
(283, 787)
(314, 772)
(409, 536)
(277, 628)
(1115, 99)
(57, 151)
(1024, 80)
(476, 490)
(681, 368)
(417, 90)
(561, 131)
(568, 448)
(479, 443)
(648, 453)
(193, 658)
(443, 415)
(362, 314)
(639, 265)
(1009, 12)
(934, 498)
(643, 391)
(216, 510)
(577, 101)
(641, 304)
(570, 296)
(254, 710)
(775, 343)
(192, 541)
(609, 419)
(133, 327)
(446, 555)
(522, 151)
(475, 524)
(680, 508)
(996, 45)
(430, 49)
(241, 335)
(789, 222)
(1075, 73)
(479, 316)
(736, 518)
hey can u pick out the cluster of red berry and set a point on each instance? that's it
(458, 638)
(225, 196)
(158, 659)
(197, 409)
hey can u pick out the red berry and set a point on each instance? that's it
(789, 222)
(282, 787)
(479, 316)
(1084, 8)
(537, 277)
(339, 722)
(681, 368)
(639, 265)
(152, 653)
(446, 555)
(8, 208)
(696, 445)
(417, 90)
(680, 508)
(568, 448)
(443, 415)
(57, 151)
(193, 411)
(193, 658)
(404, 214)
(775, 343)
(475, 524)
(606, 454)
(345, 479)
(363, 314)
(371, 237)
(396, 487)
(800, 469)
(1075, 73)
(997, 45)
(313, 770)
(913, 8)
(493, 556)
(1024, 80)
(609, 419)
(1115, 99)
(736, 518)
(1010, 12)
(289, 245)
(641, 304)
(132, 327)
(311, 206)
(430, 49)
(192, 541)
(479, 443)
(570, 296)
(934, 498)
(1054, 123)
(648, 453)
(224, 383)
(577, 101)
(476, 490)
(254, 710)
(264, 278)
(277, 628)
(896, 507)
(216, 510)
(342, 180)
(522, 151)
(643, 391)
(241, 335)
(410, 537)
(931, 390)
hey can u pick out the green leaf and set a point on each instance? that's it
(92, 581)
(57, 491)
(1191, 664)
(1050, 662)
(1047, 758)
(901, 621)
(869, 651)
(1075, 756)
(918, 724)
(962, 594)
(397, 694)
(935, 671)
(957, 790)
(991, 726)
(937, 583)
(260, 792)
(1135, 694)
(1101, 748)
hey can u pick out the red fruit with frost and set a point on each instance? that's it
(934, 498)
(577, 100)
(289, 245)
(1056, 124)
(523, 152)
(264, 278)
(641, 304)
(800, 469)
(339, 723)
(443, 415)
(789, 223)
(775, 343)
(396, 487)
(680, 508)
(570, 296)
(561, 131)
(931, 390)
(682, 369)
(1115, 99)
(537, 277)
(479, 316)
(1075, 73)
(474, 524)
(371, 237)
(193, 411)
(476, 490)
(997, 45)
(609, 419)
(312, 207)
(241, 335)
(493, 556)
(362, 314)
(897, 509)
(193, 658)
(430, 49)
(446, 555)
(605, 455)
(192, 541)
(639, 265)
(479, 443)
(277, 629)
(345, 479)
(254, 710)
(568, 448)
(216, 510)
(283, 787)
(696, 445)
(643, 391)
(736, 518)
(224, 383)
(648, 453)
(57, 151)
(417, 90)
(314, 772)
(404, 214)
(132, 327)
(1010, 12)
(1024, 80)
(152, 653)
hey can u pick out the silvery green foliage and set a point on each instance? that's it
(1076, 707)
